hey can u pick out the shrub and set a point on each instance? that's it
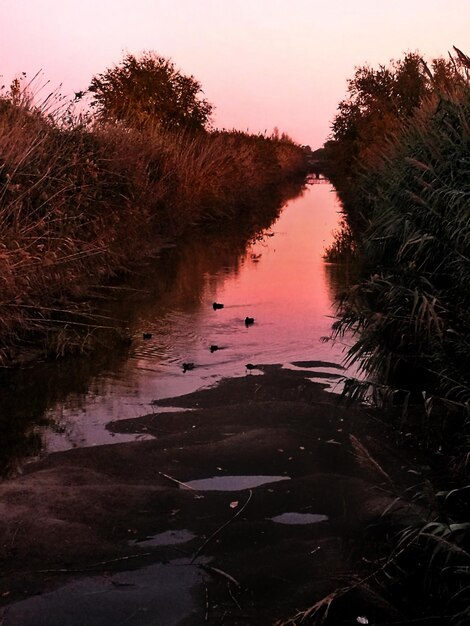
(149, 90)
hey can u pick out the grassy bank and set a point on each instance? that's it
(409, 222)
(402, 169)
(81, 202)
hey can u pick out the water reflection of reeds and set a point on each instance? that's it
(174, 280)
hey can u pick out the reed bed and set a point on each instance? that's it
(407, 206)
(81, 202)
(412, 308)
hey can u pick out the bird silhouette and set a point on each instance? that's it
(217, 305)
(249, 321)
(147, 335)
(187, 367)
(214, 348)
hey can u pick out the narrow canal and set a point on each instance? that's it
(236, 504)
(280, 280)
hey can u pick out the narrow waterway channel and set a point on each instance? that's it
(230, 492)
(280, 280)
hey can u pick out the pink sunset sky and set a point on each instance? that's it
(262, 63)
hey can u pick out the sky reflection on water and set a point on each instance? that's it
(280, 280)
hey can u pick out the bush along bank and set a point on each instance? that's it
(408, 224)
(83, 199)
(400, 158)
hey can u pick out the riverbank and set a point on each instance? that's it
(122, 527)
(400, 165)
(399, 159)
(81, 203)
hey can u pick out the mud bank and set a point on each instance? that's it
(279, 514)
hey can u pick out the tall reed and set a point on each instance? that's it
(413, 308)
(81, 201)
(410, 312)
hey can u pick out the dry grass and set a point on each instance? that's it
(80, 200)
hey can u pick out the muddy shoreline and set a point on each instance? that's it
(119, 526)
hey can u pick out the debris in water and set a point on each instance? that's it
(220, 572)
(174, 480)
(215, 533)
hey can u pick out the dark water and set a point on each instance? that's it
(127, 598)
(280, 280)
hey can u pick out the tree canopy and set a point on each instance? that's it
(378, 102)
(149, 89)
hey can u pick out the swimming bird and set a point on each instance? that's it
(249, 321)
(217, 305)
(147, 335)
(187, 367)
(250, 366)
(214, 348)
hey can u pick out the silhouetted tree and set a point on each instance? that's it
(149, 89)
(378, 100)
(370, 118)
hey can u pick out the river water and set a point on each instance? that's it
(280, 280)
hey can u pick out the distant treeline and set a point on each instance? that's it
(83, 197)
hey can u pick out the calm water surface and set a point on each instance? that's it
(280, 280)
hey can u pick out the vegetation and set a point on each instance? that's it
(399, 156)
(409, 217)
(84, 197)
(344, 247)
(149, 90)
(370, 121)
